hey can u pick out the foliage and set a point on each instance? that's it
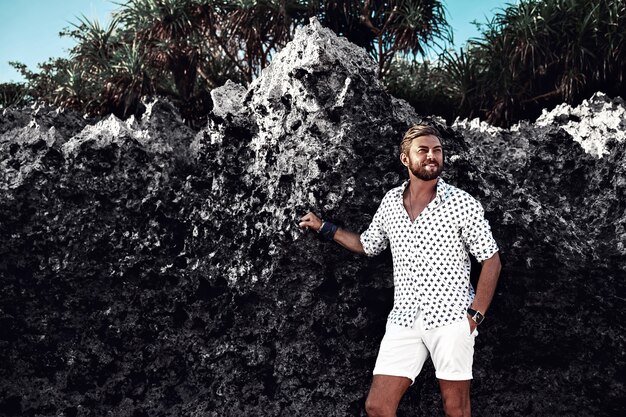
(248, 32)
(539, 53)
(389, 29)
(531, 55)
(425, 85)
(42, 85)
(13, 94)
(182, 49)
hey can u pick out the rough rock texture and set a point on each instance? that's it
(147, 270)
(556, 345)
(592, 124)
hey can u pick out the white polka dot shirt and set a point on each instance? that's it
(431, 264)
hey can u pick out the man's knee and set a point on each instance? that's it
(456, 398)
(456, 409)
(457, 412)
(375, 408)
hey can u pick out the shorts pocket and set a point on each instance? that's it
(469, 329)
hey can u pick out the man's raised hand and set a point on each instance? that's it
(310, 221)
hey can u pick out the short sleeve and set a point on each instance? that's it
(374, 239)
(477, 234)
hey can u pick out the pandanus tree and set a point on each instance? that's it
(107, 73)
(248, 32)
(388, 29)
(535, 54)
(84, 80)
(168, 31)
(256, 29)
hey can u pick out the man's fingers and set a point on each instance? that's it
(309, 220)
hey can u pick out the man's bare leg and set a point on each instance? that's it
(456, 398)
(385, 394)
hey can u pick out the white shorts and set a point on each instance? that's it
(404, 350)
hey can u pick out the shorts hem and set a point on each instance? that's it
(387, 373)
(454, 376)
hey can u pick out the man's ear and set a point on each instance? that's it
(404, 159)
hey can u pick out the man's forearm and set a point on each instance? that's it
(349, 240)
(487, 282)
(345, 238)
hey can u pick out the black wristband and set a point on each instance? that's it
(328, 230)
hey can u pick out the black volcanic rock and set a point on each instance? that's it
(559, 312)
(147, 270)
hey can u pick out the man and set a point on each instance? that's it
(432, 227)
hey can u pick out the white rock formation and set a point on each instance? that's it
(592, 124)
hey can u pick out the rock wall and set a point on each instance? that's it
(148, 270)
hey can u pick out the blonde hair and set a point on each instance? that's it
(415, 132)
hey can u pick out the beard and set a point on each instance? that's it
(420, 171)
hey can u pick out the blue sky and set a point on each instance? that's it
(30, 28)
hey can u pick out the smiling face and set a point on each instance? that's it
(424, 158)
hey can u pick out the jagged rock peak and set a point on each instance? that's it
(595, 125)
(314, 49)
(592, 124)
(160, 129)
(477, 125)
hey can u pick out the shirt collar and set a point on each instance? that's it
(440, 197)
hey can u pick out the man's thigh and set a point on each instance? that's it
(456, 397)
(385, 394)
